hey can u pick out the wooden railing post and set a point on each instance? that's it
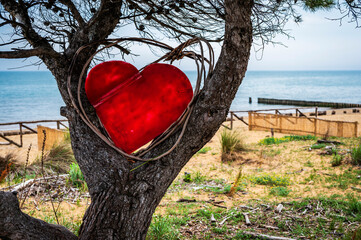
(316, 112)
(250, 122)
(57, 124)
(231, 120)
(21, 134)
(356, 129)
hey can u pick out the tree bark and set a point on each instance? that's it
(16, 225)
(128, 199)
(123, 200)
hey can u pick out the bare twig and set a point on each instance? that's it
(264, 236)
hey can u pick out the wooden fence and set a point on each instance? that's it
(24, 128)
(301, 125)
(298, 112)
(53, 137)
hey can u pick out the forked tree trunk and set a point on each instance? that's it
(123, 200)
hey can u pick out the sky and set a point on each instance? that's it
(318, 44)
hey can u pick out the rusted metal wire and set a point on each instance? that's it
(173, 55)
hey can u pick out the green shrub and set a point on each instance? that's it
(356, 155)
(196, 177)
(58, 158)
(162, 228)
(318, 146)
(187, 177)
(199, 178)
(204, 150)
(272, 140)
(271, 180)
(67, 137)
(280, 191)
(76, 177)
(336, 160)
(231, 141)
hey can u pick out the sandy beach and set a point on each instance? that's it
(249, 136)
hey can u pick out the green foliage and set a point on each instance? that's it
(314, 5)
(76, 177)
(226, 189)
(309, 164)
(199, 178)
(318, 146)
(69, 223)
(67, 137)
(336, 160)
(343, 180)
(60, 153)
(280, 191)
(187, 177)
(204, 150)
(218, 230)
(356, 155)
(353, 235)
(231, 142)
(272, 140)
(207, 213)
(354, 205)
(271, 180)
(196, 178)
(162, 228)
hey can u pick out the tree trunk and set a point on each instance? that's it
(123, 200)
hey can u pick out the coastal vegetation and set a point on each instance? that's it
(211, 198)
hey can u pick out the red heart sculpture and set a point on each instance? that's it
(135, 107)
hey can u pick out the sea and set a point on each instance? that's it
(33, 95)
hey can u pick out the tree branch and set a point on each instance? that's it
(16, 225)
(19, 11)
(74, 11)
(19, 53)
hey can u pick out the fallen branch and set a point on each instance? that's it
(186, 200)
(215, 204)
(21, 186)
(224, 220)
(264, 236)
(248, 222)
(269, 227)
(328, 141)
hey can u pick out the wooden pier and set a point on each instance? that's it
(25, 125)
(307, 103)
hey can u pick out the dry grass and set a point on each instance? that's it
(309, 175)
(231, 144)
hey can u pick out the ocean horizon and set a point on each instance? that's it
(33, 95)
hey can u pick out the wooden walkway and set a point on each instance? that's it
(24, 128)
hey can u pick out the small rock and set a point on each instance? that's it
(248, 222)
(279, 208)
(212, 218)
(359, 176)
(311, 182)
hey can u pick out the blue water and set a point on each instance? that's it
(26, 96)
